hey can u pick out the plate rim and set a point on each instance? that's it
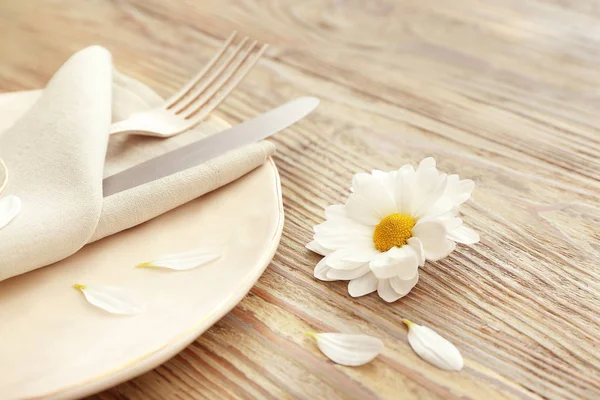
(159, 356)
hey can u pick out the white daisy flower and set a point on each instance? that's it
(391, 223)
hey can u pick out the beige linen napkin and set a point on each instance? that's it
(55, 144)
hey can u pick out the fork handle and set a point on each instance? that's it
(120, 127)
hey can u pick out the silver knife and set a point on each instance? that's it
(207, 148)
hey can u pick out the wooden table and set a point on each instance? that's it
(504, 92)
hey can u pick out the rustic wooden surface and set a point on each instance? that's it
(504, 92)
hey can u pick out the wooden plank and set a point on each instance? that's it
(504, 93)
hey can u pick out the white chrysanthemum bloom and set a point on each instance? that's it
(391, 223)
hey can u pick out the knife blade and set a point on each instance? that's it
(207, 148)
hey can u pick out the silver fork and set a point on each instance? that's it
(206, 91)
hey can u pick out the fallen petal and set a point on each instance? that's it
(10, 207)
(433, 348)
(111, 299)
(182, 261)
(348, 349)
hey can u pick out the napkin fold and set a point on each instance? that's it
(55, 144)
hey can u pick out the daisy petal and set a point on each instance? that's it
(379, 173)
(344, 225)
(456, 193)
(403, 287)
(463, 234)
(360, 210)
(465, 188)
(335, 240)
(10, 207)
(348, 350)
(336, 211)
(361, 180)
(428, 162)
(417, 246)
(111, 299)
(404, 178)
(317, 248)
(433, 348)
(321, 270)
(333, 261)
(363, 285)
(451, 223)
(347, 274)
(376, 193)
(386, 291)
(401, 262)
(352, 257)
(432, 234)
(447, 247)
(425, 182)
(429, 198)
(182, 261)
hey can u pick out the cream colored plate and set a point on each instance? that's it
(53, 344)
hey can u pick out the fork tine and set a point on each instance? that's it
(196, 116)
(210, 81)
(171, 101)
(197, 102)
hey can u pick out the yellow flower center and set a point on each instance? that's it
(393, 230)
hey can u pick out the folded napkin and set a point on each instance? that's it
(55, 144)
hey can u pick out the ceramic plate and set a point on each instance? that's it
(53, 344)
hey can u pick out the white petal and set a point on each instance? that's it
(334, 211)
(456, 193)
(451, 223)
(352, 257)
(428, 162)
(321, 270)
(339, 240)
(364, 285)
(404, 178)
(317, 248)
(10, 207)
(376, 190)
(446, 247)
(348, 350)
(433, 348)
(182, 261)
(348, 274)
(429, 198)
(343, 233)
(404, 286)
(399, 261)
(425, 183)
(360, 209)
(111, 299)
(386, 291)
(429, 229)
(417, 246)
(463, 234)
(379, 174)
(360, 180)
(432, 233)
(344, 225)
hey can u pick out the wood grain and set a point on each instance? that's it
(503, 92)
